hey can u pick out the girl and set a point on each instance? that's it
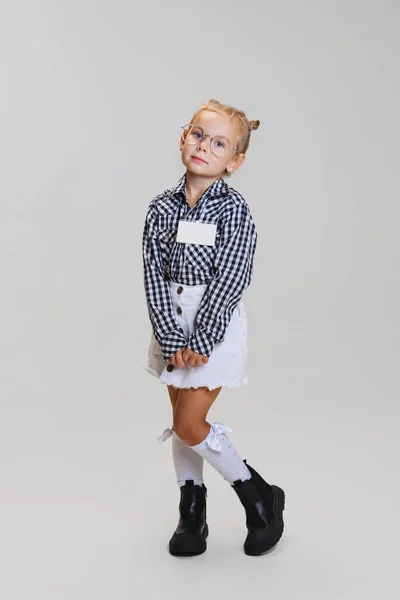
(199, 241)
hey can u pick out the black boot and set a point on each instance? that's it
(264, 505)
(190, 535)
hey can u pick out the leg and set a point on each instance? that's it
(173, 395)
(208, 441)
(188, 464)
(263, 503)
(190, 413)
(190, 535)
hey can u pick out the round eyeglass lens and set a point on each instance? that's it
(193, 134)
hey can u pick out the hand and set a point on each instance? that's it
(186, 355)
(193, 358)
(176, 359)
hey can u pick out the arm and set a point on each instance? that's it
(234, 269)
(167, 332)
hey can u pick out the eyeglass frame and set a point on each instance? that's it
(205, 136)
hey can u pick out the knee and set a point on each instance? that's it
(187, 432)
(182, 430)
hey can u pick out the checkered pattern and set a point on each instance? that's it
(226, 268)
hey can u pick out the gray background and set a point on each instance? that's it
(88, 499)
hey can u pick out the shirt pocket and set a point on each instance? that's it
(200, 257)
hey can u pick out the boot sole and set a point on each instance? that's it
(274, 533)
(188, 544)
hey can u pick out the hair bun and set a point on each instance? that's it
(254, 125)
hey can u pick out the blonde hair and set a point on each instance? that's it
(245, 126)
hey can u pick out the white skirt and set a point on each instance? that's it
(227, 364)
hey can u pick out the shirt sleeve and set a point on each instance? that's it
(234, 270)
(167, 332)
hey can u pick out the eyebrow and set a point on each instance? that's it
(204, 127)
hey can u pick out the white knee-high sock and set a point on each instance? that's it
(188, 464)
(217, 449)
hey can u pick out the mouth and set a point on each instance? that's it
(196, 158)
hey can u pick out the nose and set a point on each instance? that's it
(200, 144)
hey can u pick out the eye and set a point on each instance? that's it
(197, 132)
(219, 143)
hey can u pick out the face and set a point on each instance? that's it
(198, 158)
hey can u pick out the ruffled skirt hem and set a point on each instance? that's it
(210, 385)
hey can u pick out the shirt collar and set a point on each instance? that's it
(168, 204)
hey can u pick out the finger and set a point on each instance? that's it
(201, 360)
(179, 360)
(197, 359)
(188, 353)
(172, 360)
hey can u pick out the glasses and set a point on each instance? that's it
(220, 145)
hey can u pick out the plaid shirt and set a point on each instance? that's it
(226, 268)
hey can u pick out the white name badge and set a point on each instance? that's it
(196, 232)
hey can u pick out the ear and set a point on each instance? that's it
(236, 162)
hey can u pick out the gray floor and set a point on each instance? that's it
(89, 499)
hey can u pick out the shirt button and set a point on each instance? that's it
(180, 290)
(179, 310)
(170, 368)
